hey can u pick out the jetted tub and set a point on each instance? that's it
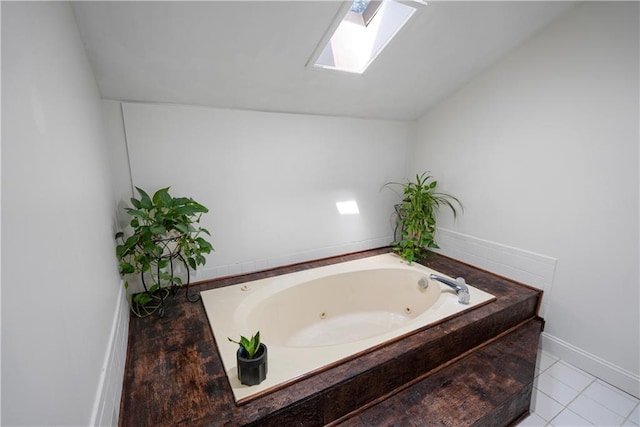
(314, 318)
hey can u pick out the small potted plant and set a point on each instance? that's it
(417, 216)
(166, 229)
(251, 359)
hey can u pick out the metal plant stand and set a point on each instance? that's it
(166, 273)
(400, 212)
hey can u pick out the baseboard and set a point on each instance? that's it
(106, 407)
(594, 365)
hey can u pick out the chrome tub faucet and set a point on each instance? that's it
(458, 285)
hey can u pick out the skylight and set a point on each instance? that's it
(365, 30)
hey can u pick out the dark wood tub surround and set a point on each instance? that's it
(488, 387)
(474, 369)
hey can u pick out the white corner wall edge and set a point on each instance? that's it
(106, 406)
(608, 372)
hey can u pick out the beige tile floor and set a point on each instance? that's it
(564, 395)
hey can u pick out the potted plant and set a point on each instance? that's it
(251, 360)
(165, 229)
(416, 216)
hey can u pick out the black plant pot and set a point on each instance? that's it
(252, 371)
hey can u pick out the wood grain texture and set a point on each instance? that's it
(489, 387)
(174, 375)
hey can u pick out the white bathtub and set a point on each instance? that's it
(317, 317)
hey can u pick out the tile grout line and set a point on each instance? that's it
(626, 420)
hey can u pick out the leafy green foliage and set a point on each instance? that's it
(164, 227)
(417, 216)
(250, 346)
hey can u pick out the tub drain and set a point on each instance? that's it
(323, 315)
(407, 310)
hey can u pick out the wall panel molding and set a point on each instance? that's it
(106, 407)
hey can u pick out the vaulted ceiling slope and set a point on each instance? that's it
(253, 54)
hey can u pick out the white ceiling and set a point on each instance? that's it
(253, 54)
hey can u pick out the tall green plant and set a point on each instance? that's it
(164, 227)
(417, 216)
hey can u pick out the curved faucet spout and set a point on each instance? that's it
(458, 285)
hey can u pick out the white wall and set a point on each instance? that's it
(543, 151)
(270, 180)
(118, 161)
(60, 286)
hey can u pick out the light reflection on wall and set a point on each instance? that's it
(348, 207)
